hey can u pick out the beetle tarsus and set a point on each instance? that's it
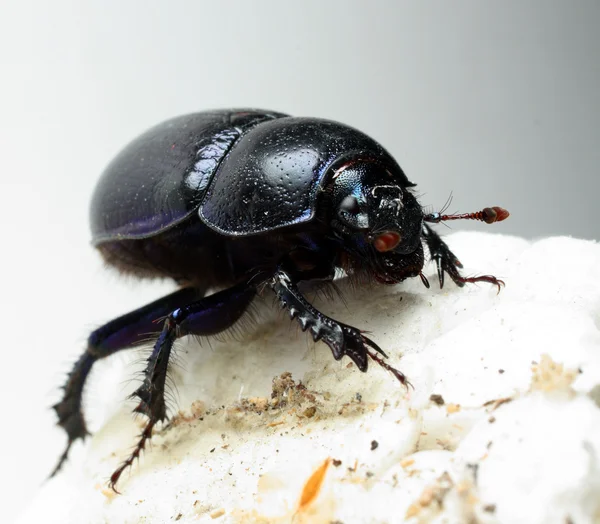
(151, 394)
(62, 459)
(68, 410)
(490, 279)
(401, 377)
(145, 436)
(446, 262)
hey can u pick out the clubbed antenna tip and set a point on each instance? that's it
(489, 215)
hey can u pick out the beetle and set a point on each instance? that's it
(237, 201)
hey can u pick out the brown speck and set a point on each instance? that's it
(178, 517)
(501, 371)
(217, 513)
(407, 462)
(495, 404)
(552, 376)
(108, 493)
(426, 497)
(369, 474)
(313, 485)
(349, 365)
(212, 450)
(433, 493)
(474, 470)
(309, 412)
(336, 462)
(374, 445)
(281, 385)
(198, 408)
(437, 399)
(358, 397)
(492, 419)
(489, 508)
(412, 511)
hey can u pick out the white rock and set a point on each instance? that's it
(507, 445)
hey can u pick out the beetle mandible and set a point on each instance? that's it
(234, 201)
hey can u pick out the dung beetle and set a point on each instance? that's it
(238, 201)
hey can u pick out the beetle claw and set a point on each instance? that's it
(447, 262)
(374, 346)
(401, 377)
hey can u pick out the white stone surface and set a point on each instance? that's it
(516, 440)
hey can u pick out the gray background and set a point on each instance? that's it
(498, 103)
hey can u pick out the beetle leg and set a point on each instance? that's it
(341, 338)
(208, 316)
(447, 262)
(129, 330)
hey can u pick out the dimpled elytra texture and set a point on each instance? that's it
(503, 423)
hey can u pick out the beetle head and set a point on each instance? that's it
(377, 217)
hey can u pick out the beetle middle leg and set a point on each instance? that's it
(446, 261)
(341, 338)
(208, 316)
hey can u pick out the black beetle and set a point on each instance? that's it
(234, 201)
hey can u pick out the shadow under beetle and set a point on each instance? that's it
(241, 200)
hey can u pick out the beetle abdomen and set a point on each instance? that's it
(159, 178)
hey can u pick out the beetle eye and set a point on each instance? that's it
(386, 241)
(350, 205)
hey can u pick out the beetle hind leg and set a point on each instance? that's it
(207, 316)
(447, 262)
(123, 332)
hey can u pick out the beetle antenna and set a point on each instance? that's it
(489, 215)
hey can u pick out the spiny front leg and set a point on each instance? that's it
(447, 262)
(341, 338)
